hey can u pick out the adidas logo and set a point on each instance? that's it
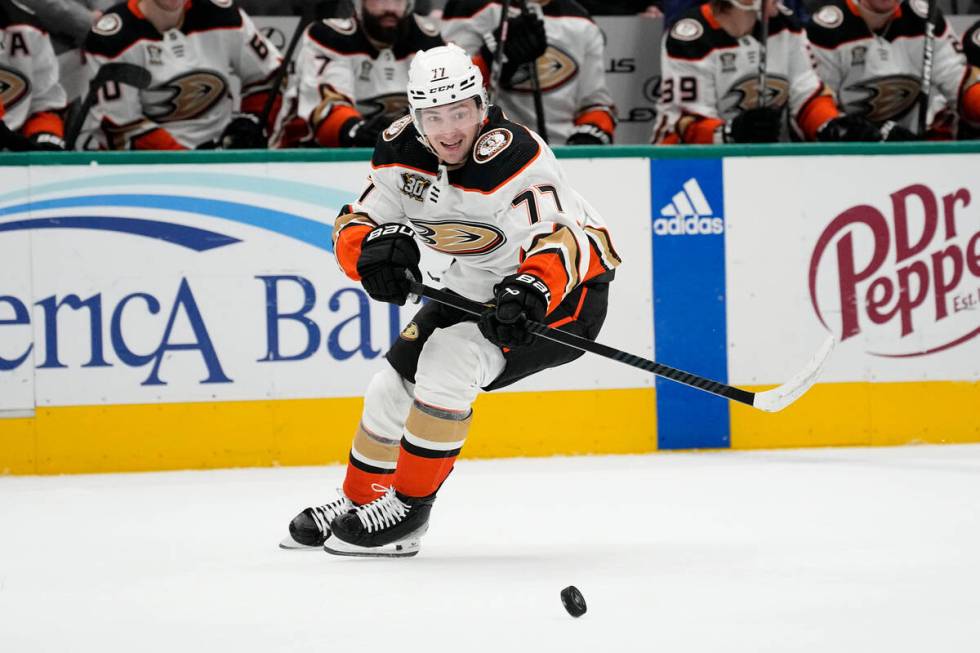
(688, 214)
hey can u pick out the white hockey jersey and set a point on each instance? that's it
(709, 77)
(571, 73)
(29, 88)
(508, 208)
(190, 100)
(341, 75)
(879, 76)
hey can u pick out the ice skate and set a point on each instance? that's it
(391, 526)
(310, 528)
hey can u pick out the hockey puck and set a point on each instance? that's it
(573, 601)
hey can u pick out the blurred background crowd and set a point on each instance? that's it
(245, 74)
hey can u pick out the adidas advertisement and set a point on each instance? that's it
(688, 213)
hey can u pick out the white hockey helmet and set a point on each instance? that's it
(443, 75)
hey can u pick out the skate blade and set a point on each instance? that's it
(405, 548)
(292, 545)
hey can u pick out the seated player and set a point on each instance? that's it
(462, 179)
(870, 54)
(30, 92)
(191, 49)
(710, 90)
(971, 48)
(567, 49)
(351, 75)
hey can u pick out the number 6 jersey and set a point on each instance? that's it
(507, 208)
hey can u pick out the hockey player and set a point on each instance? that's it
(710, 88)
(971, 48)
(30, 92)
(870, 54)
(192, 49)
(352, 73)
(567, 49)
(459, 177)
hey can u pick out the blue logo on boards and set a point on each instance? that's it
(688, 220)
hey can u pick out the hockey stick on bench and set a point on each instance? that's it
(770, 401)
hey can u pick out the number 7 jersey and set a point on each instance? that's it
(508, 208)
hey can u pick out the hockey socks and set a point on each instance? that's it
(372, 463)
(432, 440)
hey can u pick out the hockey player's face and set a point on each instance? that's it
(451, 129)
(382, 17)
(880, 6)
(169, 5)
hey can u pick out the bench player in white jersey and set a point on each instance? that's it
(870, 54)
(351, 74)
(568, 51)
(30, 91)
(192, 49)
(710, 83)
(971, 48)
(459, 177)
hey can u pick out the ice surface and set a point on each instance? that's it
(810, 550)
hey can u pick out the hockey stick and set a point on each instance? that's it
(497, 65)
(307, 17)
(770, 401)
(536, 89)
(928, 46)
(120, 73)
(763, 54)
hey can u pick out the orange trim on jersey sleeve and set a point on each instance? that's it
(709, 15)
(548, 266)
(1, 110)
(157, 139)
(702, 130)
(328, 133)
(970, 104)
(815, 115)
(347, 249)
(599, 118)
(255, 103)
(574, 316)
(44, 122)
(483, 66)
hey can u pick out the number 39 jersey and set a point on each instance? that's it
(879, 75)
(508, 208)
(709, 77)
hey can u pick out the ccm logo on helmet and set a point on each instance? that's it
(440, 89)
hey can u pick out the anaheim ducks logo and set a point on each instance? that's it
(392, 105)
(885, 98)
(744, 94)
(411, 332)
(186, 97)
(459, 238)
(14, 87)
(491, 144)
(395, 128)
(555, 69)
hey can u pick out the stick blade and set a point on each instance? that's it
(773, 401)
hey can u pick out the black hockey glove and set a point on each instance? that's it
(47, 143)
(892, 132)
(520, 297)
(11, 140)
(849, 129)
(526, 38)
(363, 132)
(588, 135)
(388, 254)
(761, 125)
(244, 132)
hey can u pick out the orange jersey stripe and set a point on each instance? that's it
(328, 133)
(347, 249)
(255, 102)
(970, 104)
(815, 115)
(599, 118)
(157, 139)
(548, 266)
(44, 122)
(702, 130)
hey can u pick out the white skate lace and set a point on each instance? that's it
(326, 513)
(386, 510)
